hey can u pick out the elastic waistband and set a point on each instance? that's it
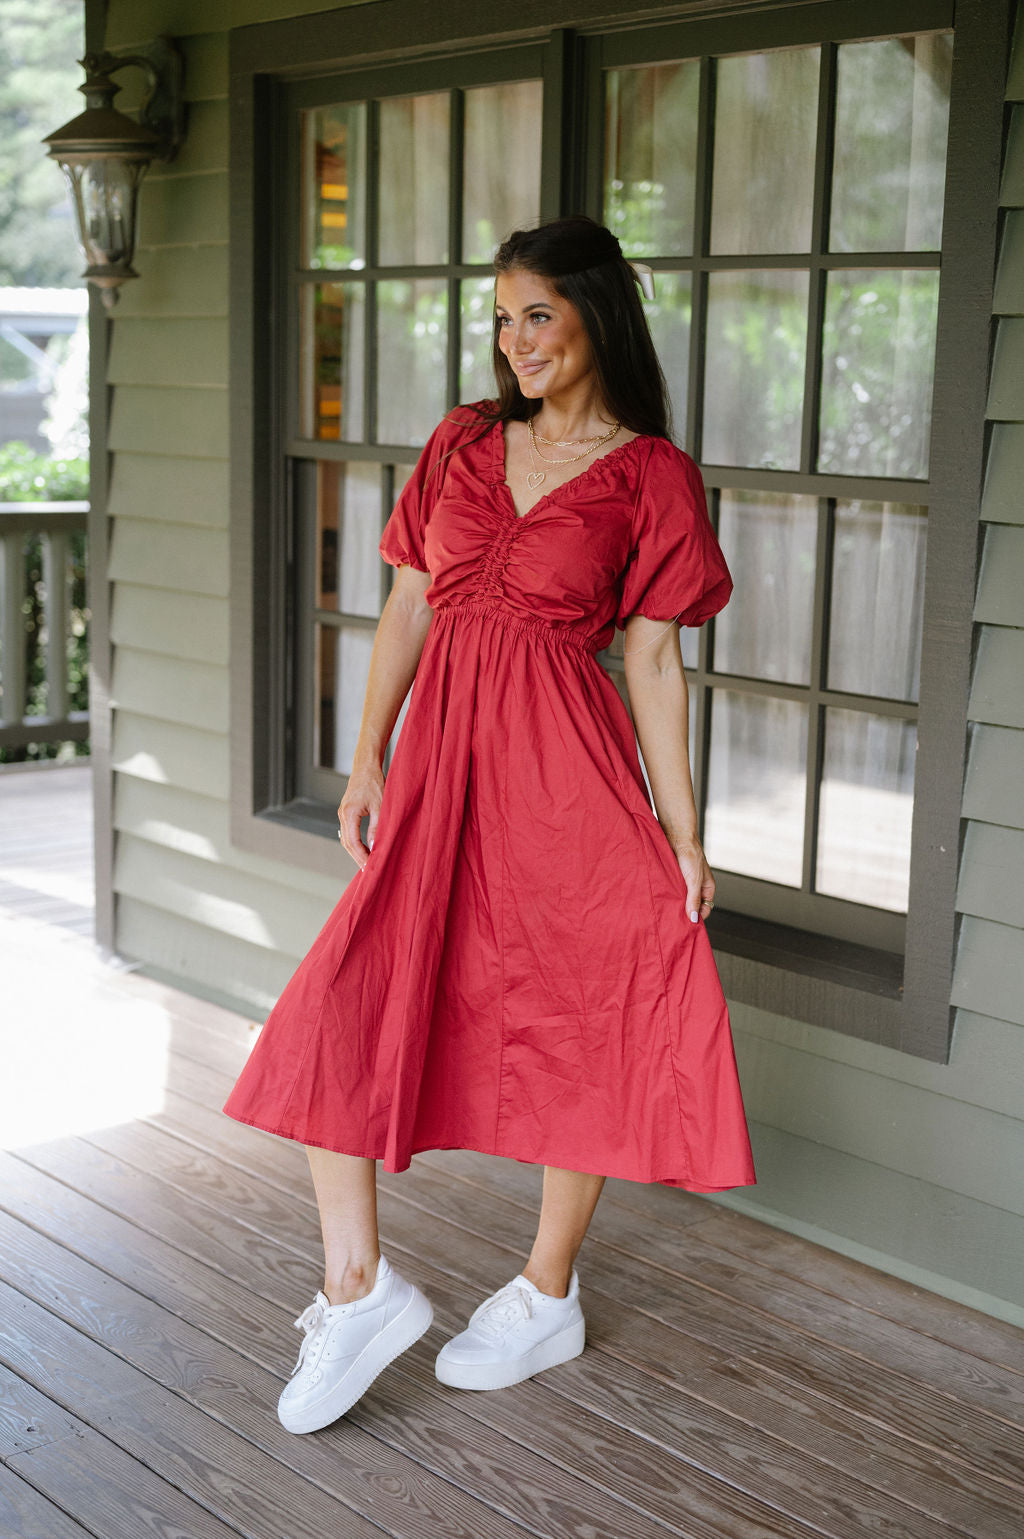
(519, 625)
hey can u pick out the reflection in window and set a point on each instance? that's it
(476, 365)
(754, 823)
(892, 118)
(669, 317)
(342, 666)
(754, 374)
(766, 116)
(412, 343)
(413, 219)
(867, 796)
(331, 361)
(877, 599)
(334, 186)
(650, 157)
(769, 543)
(501, 168)
(348, 531)
(877, 366)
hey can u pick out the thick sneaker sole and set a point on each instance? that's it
(405, 1329)
(568, 1343)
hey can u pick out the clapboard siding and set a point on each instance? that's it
(989, 975)
(169, 556)
(206, 143)
(986, 1063)
(161, 488)
(995, 774)
(200, 957)
(1009, 295)
(170, 753)
(177, 280)
(173, 624)
(165, 420)
(281, 918)
(1003, 500)
(1006, 392)
(1000, 598)
(134, 22)
(170, 688)
(179, 351)
(992, 876)
(918, 1229)
(196, 823)
(997, 695)
(1011, 194)
(179, 210)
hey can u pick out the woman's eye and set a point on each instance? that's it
(539, 315)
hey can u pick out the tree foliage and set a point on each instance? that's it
(40, 42)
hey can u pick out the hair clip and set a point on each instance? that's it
(644, 275)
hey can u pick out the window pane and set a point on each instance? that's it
(892, 117)
(650, 157)
(331, 360)
(412, 343)
(334, 186)
(770, 544)
(501, 169)
(754, 372)
(755, 806)
(476, 367)
(414, 179)
(867, 799)
(668, 316)
(766, 116)
(348, 525)
(878, 357)
(341, 669)
(877, 599)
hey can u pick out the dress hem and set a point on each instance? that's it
(682, 1182)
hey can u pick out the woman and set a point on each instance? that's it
(520, 965)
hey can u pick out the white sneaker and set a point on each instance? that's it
(347, 1345)
(512, 1335)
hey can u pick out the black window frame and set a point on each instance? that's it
(860, 990)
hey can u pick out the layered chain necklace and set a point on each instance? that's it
(536, 477)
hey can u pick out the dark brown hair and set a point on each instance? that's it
(583, 261)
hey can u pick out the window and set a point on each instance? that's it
(790, 202)
(782, 170)
(400, 198)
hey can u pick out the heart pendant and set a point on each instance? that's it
(534, 479)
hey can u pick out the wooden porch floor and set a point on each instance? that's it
(738, 1383)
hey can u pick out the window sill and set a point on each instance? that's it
(837, 984)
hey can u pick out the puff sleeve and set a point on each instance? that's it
(676, 569)
(402, 541)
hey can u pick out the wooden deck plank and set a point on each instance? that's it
(224, 1384)
(835, 1446)
(734, 1325)
(27, 1418)
(25, 1514)
(203, 1226)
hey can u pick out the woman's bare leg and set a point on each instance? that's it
(567, 1206)
(346, 1193)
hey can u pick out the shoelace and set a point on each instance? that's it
(310, 1321)
(509, 1305)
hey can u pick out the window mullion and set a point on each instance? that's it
(701, 240)
(819, 246)
(818, 680)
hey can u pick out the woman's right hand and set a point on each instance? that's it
(363, 795)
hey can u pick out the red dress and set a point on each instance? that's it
(514, 970)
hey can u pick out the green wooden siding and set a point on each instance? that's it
(894, 1159)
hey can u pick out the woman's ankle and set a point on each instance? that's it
(353, 1281)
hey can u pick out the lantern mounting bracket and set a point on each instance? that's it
(162, 108)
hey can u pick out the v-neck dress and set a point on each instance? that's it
(514, 970)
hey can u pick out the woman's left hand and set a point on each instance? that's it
(700, 883)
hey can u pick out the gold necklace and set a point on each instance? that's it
(564, 443)
(536, 477)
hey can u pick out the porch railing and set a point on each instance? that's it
(37, 609)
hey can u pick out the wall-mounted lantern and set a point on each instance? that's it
(104, 154)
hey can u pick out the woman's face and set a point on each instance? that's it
(541, 335)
